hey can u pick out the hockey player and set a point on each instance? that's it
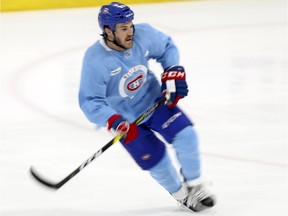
(117, 86)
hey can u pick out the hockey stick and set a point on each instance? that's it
(97, 154)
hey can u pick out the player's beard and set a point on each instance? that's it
(127, 42)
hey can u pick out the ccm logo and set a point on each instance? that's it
(173, 75)
(135, 83)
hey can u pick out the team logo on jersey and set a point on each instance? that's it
(132, 81)
(135, 83)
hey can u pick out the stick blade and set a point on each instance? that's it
(43, 181)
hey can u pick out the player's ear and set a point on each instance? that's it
(108, 31)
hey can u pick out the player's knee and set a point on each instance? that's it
(186, 139)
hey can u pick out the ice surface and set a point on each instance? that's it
(235, 55)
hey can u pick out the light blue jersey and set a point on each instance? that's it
(120, 81)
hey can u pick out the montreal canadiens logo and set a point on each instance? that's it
(135, 83)
(132, 81)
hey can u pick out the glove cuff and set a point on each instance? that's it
(118, 124)
(114, 121)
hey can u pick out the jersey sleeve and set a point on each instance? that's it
(92, 91)
(161, 46)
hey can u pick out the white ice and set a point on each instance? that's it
(235, 54)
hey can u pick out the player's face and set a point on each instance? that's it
(124, 34)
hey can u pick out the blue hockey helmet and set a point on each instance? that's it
(114, 13)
